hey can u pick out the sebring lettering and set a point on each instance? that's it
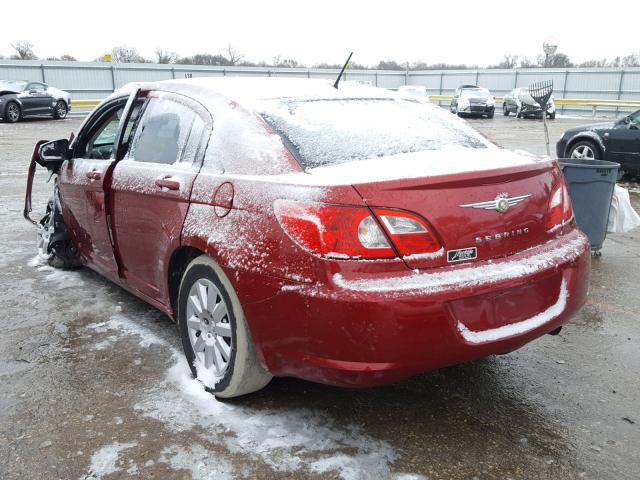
(502, 235)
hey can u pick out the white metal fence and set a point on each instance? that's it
(95, 80)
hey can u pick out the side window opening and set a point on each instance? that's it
(99, 142)
(38, 87)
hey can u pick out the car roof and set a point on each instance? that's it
(250, 91)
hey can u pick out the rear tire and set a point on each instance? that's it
(12, 112)
(60, 110)
(213, 326)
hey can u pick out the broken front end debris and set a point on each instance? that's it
(54, 241)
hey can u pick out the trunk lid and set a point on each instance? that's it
(464, 207)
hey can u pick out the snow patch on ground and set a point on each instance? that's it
(287, 441)
(105, 460)
(296, 440)
(127, 326)
(61, 278)
(202, 464)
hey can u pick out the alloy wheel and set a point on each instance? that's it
(584, 152)
(209, 326)
(13, 112)
(61, 110)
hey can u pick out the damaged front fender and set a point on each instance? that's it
(53, 236)
(35, 157)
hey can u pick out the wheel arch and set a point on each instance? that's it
(180, 260)
(595, 140)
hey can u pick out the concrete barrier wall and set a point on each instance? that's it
(582, 88)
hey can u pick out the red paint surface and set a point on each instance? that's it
(302, 323)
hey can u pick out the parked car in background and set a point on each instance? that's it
(344, 236)
(418, 92)
(617, 141)
(522, 104)
(21, 98)
(473, 101)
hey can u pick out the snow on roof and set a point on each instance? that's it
(251, 89)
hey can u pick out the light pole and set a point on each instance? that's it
(549, 46)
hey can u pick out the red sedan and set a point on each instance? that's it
(345, 236)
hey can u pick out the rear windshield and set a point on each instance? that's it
(330, 132)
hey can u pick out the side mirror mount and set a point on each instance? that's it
(32, 91)
(52, 154)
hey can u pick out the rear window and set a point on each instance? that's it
(330, 132)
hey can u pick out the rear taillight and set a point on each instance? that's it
(560, 209)
(410, 234)
(337, 231)
(333, 231)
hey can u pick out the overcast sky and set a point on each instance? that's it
(326, 30)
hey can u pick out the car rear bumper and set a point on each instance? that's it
(371, 330)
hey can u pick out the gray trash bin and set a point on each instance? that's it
(591, 184)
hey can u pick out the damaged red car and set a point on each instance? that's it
(341, 235)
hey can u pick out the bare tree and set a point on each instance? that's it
(165, 56)
(389, 65)
(632, 60)
(24, 51)
(278, 61)
(593, 63)
(509, 61)
(556, 60)
(125, 54)
(233, 55)
(65, 57)
(205, 59)
(526, 62)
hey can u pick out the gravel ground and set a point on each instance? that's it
(93, 385)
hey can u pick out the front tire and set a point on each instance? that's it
(12, 112)
(505, 110)
(584, 150)
(215, 335)
(551, 116)
(60, 110)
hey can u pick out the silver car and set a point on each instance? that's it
(21, 98)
